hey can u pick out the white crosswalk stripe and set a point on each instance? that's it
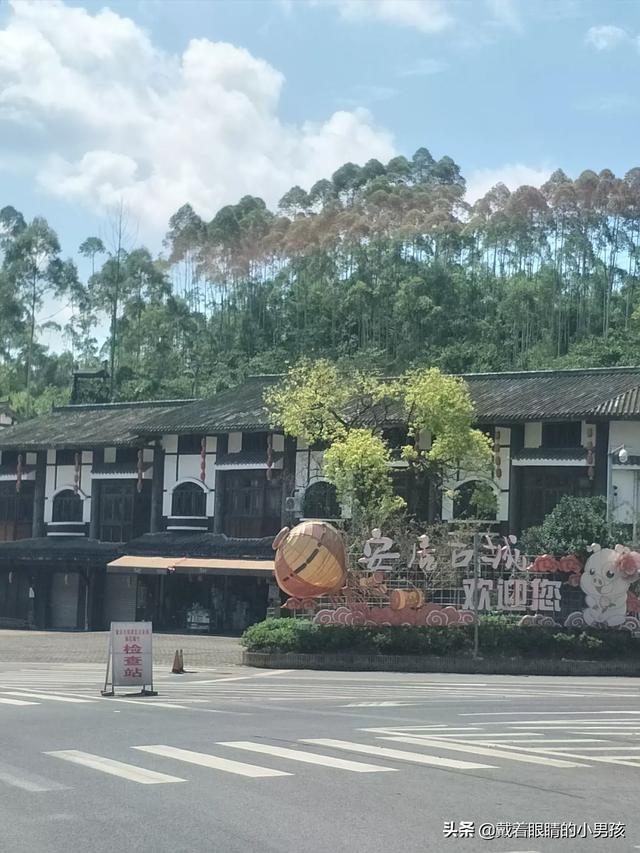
(399, 754)
(215, 762)
(476, 749)
(308, 757)
(51, 697)
(340, 691)
(378, 704)
(605, 759)
(114, 768)
(568, 740)
(494, 747)
(5, 701)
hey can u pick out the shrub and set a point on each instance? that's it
(571, 527)
(499, 636)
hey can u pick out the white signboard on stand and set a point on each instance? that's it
(130, 657)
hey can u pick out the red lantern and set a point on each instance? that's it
(203, 459)
(269, 455)
(140, 470)
(19, 470)
(76, 473)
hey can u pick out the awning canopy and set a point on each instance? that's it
(130, 564)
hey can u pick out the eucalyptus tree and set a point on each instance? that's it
(32, 264)
(91, 247)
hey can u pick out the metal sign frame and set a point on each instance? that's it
(146, 689)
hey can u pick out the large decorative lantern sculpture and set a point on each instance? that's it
(310, 560)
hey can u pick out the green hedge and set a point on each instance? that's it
(499, 636)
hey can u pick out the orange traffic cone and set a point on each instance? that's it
(177, 663)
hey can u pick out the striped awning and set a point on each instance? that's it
(131, 564)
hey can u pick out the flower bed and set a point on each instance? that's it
(498, 637)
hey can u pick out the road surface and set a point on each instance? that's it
(235, 760)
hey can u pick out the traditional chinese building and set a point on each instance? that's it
(166, 510)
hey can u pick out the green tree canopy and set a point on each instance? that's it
(349, 410)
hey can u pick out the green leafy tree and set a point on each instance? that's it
(33, 267)
(91, 247)
(348, 410)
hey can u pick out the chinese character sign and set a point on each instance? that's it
(132, 654)
(540, 595)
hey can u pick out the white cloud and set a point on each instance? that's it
(115, 118)
(606, 37)
(513, 175)
(428, 16)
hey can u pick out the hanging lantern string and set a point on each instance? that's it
(140, 469)
(269, 455)
(19, 473)
(76, 473)
(203, 459)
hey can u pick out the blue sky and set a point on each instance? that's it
(159, 102)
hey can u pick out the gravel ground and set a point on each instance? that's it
(91, 647)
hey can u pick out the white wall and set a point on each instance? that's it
(533, 434)
(589, 434)
(624, 479)
(308, 467)
(235, 442)
(627, 433)
(500, 484)
(624, 500)
(60, 477)
(180, 467)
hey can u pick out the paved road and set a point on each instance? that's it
(232, 759)
(78, 647)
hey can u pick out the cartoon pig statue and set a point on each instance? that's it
(605, 583)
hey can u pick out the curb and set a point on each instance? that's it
(415, 663)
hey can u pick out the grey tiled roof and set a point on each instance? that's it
(52, 550)
(600, 393)
(98, 425)
(241, 408)
(556, 394)
(498, 398)
(622, 405)
(194, 544)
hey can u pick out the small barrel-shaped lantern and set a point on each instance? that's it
(310, 560)
(401, 598)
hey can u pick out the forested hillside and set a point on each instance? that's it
(385, 262)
